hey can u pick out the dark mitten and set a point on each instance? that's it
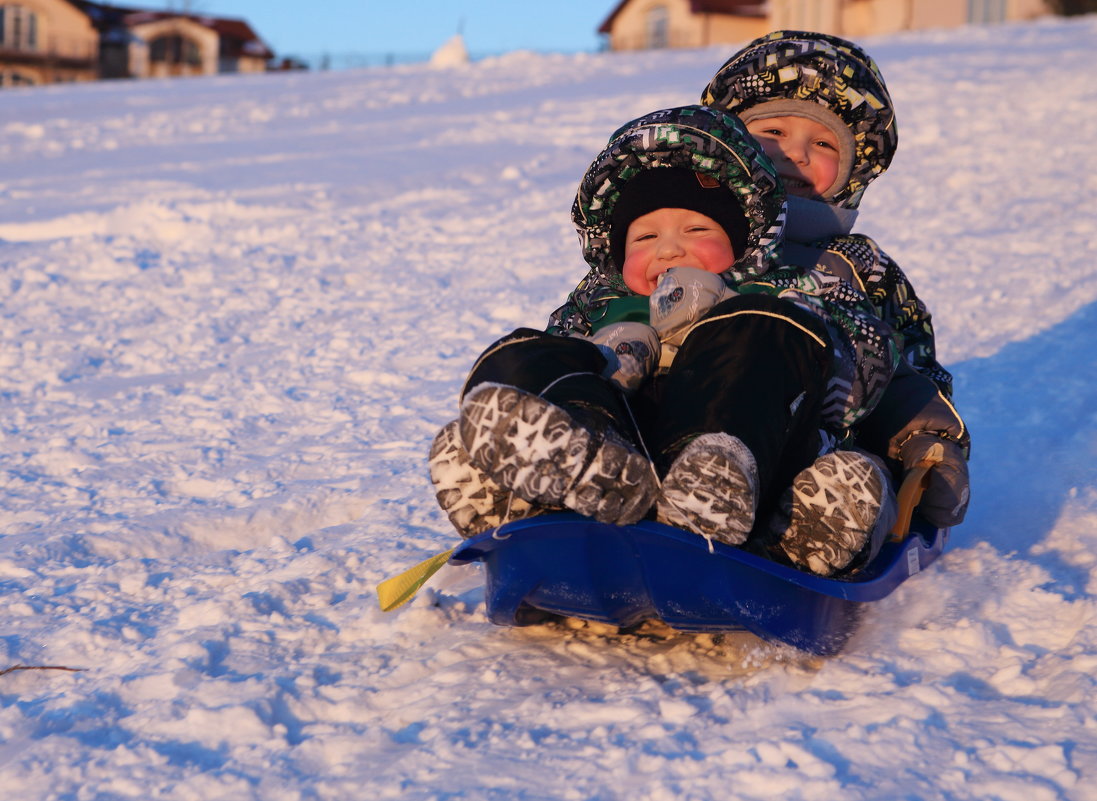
(911, 418)
(945, 500)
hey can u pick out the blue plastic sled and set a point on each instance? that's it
(571, 565)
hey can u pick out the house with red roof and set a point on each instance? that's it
(654, 24)
(55, 41)
(649, 24)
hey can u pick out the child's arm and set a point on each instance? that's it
(910, 419)
(861, 262)
(631, 350)
(586, 307)
(864, 350)
(682, 297)
(615, 320)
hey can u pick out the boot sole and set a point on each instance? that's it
(535, 449)
(469, 497)
(835, 507)
(710, 490)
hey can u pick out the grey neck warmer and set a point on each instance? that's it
(811, 220)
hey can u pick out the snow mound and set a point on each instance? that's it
(452, 53)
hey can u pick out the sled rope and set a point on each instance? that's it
(910, 493)
(398, 590)
(392, 593)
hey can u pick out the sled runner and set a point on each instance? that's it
(571, 565)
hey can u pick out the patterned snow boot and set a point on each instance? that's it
(556, 456)
(472, 501)
(711, 489)
(840, 504)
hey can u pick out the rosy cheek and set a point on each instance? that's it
(825, 173)
(715, 257)
(634, 272)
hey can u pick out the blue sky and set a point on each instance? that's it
(408, 27)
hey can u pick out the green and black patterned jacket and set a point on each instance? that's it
(716, 144)
(836, 73)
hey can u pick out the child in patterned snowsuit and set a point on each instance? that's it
(828, 92)
(701, 402)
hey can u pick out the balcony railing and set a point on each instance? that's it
(62, 53)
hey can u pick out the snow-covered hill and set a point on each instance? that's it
(236, 310)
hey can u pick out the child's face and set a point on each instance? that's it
(667, 238)
(804, 151)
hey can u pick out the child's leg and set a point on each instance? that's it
(756, 367)
(472, 499)
(539, 418)
(752, 378)
(841, 507)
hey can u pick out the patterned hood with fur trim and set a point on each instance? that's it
(705, 140)
(817, 68)
(716, 144)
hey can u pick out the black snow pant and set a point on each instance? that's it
(755, 367)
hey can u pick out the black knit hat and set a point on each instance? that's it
(676, 188)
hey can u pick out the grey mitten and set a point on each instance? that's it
(682, 297)
(631, 351)
(945, 500)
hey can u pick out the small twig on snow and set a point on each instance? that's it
(14, 668)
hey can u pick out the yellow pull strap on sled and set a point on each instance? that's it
(398, 590)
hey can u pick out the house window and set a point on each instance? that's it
(18, 28)
(986, 11)
(658, 28)
(175, 49)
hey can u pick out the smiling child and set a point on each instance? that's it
(819, 107)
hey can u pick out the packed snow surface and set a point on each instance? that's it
(236, 310)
